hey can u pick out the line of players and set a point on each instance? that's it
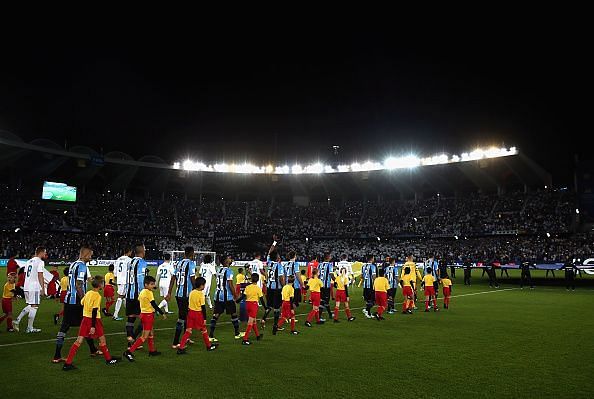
(283, 287)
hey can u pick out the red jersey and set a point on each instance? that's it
(311, 266)
(52, 287)
(12, 266)
(21, 280)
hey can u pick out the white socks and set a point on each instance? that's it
(32, 313)
(23, 313)
(118, 305)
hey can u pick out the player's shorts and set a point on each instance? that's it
(392, 293)
(436, 287)
(297, 299)
(264, 289)
(252, 309)
(315, 298)
(122, 289)
(446, 291)
(429, 291)
(73, 314)
(274, 298)
(195, 320)
(341, 296)
(287, 310)
(369, 294)
(7, 305)
(381, 298)
(183, 305)
(325, 294)
(407, 291)
(237, 289)
(163, 290)
(147, 320)
(63, 295)
(108, 291)
(227, 307)
(132, 307)
(85, 328)
(32, 297)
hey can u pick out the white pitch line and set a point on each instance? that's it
(228, 322)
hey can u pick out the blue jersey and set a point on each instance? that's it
(292, 269)
(367, 272)
(434, 265)
(224, 293)
(275, 271)
(324, 271)
(76, 272)
(392, 276)
(137, 270)
(184, 271)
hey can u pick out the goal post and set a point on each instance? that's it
(177, 256)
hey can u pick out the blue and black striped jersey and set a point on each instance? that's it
(325, 272)
(392, 275)
(184, 271)
(76, 272)
(137, 270)
(367, 272)
(223, 293)
(292, 269)
(275, 270)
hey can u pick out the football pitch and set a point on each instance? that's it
(504, 342)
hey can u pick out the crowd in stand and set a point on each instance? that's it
(484, 227)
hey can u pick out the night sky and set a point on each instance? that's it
(277, 99)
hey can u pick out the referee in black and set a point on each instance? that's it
(525, 276)
(570, 270)
(467, 264)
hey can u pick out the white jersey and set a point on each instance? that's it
(121, 269)
(346, 265)
(207, 270)
(164, 273)
(256, 266)
(32, 268)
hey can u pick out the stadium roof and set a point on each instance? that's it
(487, 170)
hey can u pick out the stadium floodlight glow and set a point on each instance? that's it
(405, 162)
(577, 211)
(221, 167)
(281, 170)
(17, 229)
(369, 166)
(435, 160)
(409, 161)
(315, 168)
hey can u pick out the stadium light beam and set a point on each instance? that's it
(405, 162)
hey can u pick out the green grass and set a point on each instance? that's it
(496, 343)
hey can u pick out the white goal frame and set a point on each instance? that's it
(198, 256)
